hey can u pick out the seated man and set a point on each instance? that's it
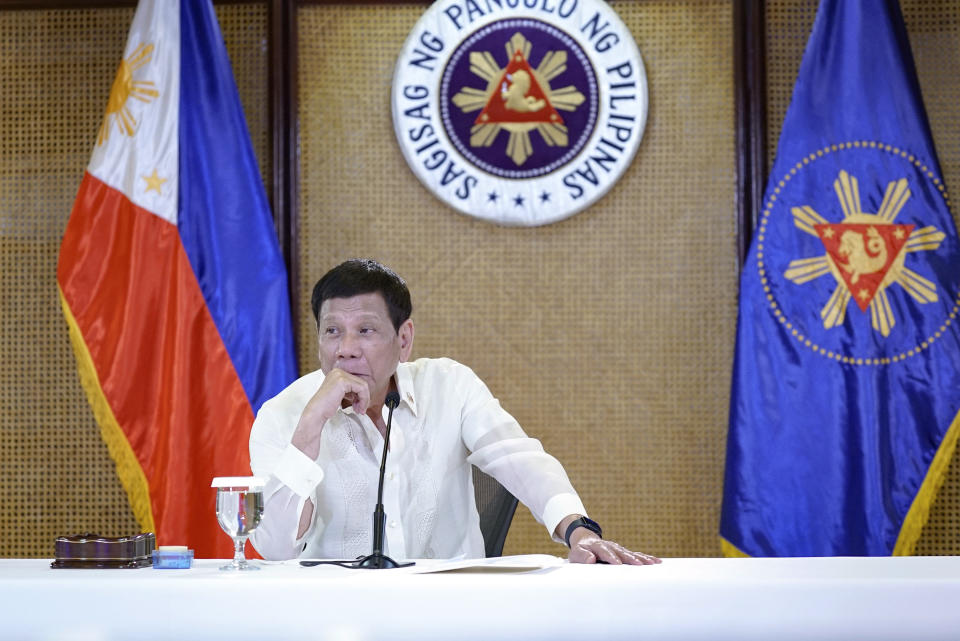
(319, 443)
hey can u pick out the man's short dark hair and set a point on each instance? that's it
(364, 276)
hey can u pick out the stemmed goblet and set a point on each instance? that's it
(239, 509)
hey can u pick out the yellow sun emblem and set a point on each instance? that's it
(518, 99)
(865, 254)
(124, 88)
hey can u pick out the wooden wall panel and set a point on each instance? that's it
(608, 335)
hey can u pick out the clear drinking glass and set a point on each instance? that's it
(239, 509)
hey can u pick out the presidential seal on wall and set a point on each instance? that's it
(520, 112)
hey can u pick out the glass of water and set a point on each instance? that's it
(239, 509)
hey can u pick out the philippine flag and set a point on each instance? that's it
(171, 279)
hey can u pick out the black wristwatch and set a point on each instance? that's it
(583, 521)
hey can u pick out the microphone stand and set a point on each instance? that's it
(376, 560)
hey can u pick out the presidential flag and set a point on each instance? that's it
(846, 381)
(171, 279)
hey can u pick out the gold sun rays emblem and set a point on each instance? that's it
(865, 253)
(125, 86)
(518, 99)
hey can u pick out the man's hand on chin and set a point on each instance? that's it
(338, 386)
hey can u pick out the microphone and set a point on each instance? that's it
(377, 560)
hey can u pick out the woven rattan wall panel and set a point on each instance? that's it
(608, 335)
(56, 68)
(934, 29)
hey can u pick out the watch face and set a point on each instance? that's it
(583, 522)
(590, 524)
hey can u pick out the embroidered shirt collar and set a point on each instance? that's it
(405, 386)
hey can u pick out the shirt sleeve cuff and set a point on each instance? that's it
(298, 472)
(558, 508)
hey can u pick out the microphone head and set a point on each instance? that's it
(392, 400)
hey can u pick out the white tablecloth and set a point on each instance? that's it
(873, 599)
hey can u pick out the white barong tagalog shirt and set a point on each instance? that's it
(447, 420)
